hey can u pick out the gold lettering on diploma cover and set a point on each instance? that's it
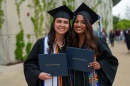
(52, 64)
(79, 59)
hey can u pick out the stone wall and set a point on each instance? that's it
(19, 17)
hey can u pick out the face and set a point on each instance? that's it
(79, 24)
(61, 25)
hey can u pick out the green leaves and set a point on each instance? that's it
(115, 21)
(1, 14)
(123, 24)
(19, 46)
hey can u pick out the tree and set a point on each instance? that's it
(115, 21)
(123, 24)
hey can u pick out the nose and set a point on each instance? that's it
(62, 24)
(79, 24)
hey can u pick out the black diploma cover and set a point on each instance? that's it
(54, 64)
(79, 59)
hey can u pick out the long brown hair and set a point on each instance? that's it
(90, 38)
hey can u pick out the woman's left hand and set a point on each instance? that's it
(95, 65)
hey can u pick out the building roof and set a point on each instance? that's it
(115, 2)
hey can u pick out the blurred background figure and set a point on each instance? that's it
(127, 39)
(104, 34)
(112, 37)
(117, 35)
(121, 38)
(95, 32)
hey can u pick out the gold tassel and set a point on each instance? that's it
(60, 80)
(60, 77)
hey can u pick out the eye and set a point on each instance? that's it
(58, 21)
(83, 22)
(66, 22)
(76, 21)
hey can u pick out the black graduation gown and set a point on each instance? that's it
(127, 39)
(31, 68)
(106, 74)
(112, 36)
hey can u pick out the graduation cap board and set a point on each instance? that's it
(83, 9)
(61, 12)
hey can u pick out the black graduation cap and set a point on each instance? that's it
(61, 12)
(83, 9)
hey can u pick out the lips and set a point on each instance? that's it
(78, 28)
(61, 29)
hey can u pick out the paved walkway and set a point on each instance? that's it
(123, 73)
(13, 75)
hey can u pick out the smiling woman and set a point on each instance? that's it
(54, 42)
(84, 38)
(61, 25)
(79, 25)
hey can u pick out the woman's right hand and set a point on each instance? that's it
(44, 76)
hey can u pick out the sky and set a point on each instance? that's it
(120, 8)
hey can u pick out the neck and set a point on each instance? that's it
(60, 40)
(81, 39)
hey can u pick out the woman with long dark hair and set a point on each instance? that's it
(105, 65)
(54, 42)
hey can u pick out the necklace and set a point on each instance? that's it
(62, 44)
(93, 78)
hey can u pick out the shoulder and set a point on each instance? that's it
(42, 40)
(39, 42)
(102, 44)
(101, 40)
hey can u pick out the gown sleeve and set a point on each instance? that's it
(31, 68)
(108, 62)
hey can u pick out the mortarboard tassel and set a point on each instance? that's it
(99, 25)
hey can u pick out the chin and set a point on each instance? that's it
(78, 32)
(62, 33)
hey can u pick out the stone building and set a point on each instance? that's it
(22, 22)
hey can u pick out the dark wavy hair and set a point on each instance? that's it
(91, 39)
(51, 37)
